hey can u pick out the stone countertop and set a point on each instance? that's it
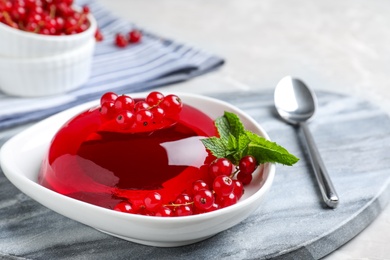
(340, 47)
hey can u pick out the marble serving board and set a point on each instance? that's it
(353, 137)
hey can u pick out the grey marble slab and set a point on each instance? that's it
(353, 137)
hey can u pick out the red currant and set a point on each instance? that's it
(98, 35)
(86, 9)
(124, 206)
(228, 200)
(223, 185)
(183, 199)
(120, 40)
(107, 109)
(199, 185)
(141, 105)
(143, 117)
(108, 97)
(220, 166)
(247, 164)
(213, 207)
(158, 114)
(124, 103)
(203, 199)
(154, 98)
(153, 201)
(135, 36)
(245, 178)
(164, 211)
(172, 105)
(125, 118)
(60, 23)
(184, 210)
(238, 189)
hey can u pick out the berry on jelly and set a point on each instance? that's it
(108, 97)
(171, 104)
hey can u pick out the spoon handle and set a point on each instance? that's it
(328, 192)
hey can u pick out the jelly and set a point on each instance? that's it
(106, 167)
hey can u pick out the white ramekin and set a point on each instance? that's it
(16, 43)
(48, 75)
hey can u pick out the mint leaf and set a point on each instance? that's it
(223, 128)
(231, 144)
(235, 125)
(267, 151)
(215, 146)
(235, 142)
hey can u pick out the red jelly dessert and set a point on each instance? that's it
(136, 156)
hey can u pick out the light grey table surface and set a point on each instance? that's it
(339, 46)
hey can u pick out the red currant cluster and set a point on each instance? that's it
(134, 36)
(156, 111)
(48, 17)
(227, 188)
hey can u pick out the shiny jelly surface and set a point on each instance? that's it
(106, 167)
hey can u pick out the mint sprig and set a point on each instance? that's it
(236, 142)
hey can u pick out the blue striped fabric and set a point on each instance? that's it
(152, 63)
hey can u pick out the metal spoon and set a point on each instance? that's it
(296, 104)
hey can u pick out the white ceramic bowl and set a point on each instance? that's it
(48, 75)
(32, 145)
(16, 43)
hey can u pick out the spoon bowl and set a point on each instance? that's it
(296, 103)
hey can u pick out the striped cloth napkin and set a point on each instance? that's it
(153, 62)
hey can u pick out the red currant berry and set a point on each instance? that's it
(125, 118)
(164, 212)
(238, 189)
(124, 206)
(153, 200)
(124, 103)
(172, 105)
(228, 200)
(98, 35)
(158, 114)
(135, 36)
(143, 117)
(220, 166)
(108, 97)
(60, 23)
(223, 185)
(199, 185)
(247, 164)
(245, 178)
(86, 9)
(141, 105)
(213, 207)
(18, 13)
(154, 98)
(120, 40)
(203, 199)
(183, 199)
(184, 210)
(70, 24)
(107, 109)
(32, 27)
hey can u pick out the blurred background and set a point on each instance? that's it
(337, 46)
